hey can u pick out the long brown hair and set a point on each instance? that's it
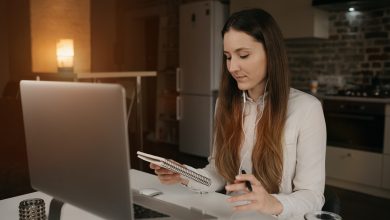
(267, 154)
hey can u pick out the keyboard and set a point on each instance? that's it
(141, 212)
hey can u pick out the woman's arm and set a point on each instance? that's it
(309, 179)
(217, 182)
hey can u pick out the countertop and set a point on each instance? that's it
(354, 99)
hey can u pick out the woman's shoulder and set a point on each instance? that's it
(301, 99)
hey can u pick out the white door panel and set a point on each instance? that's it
(195, 48)
(196, 119)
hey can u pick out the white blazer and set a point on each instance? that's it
(303, 179)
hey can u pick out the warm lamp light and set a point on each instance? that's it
(65, 54)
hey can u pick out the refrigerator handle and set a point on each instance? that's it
(178, 108)
(178, 79)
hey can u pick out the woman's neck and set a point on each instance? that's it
(256, 92)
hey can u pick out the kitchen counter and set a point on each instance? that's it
(354, 99)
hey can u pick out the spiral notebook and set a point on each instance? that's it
(162, 162)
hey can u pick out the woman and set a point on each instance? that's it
(275, 133)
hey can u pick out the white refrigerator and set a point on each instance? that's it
(198, 74)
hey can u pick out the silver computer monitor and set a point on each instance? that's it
(77, 144)
(78, 151)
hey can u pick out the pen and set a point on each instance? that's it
(247, 183)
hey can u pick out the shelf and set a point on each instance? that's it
(116, 74)
(167, 72)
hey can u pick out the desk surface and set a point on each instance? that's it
(212, 203)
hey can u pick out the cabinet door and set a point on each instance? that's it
(386, 147)
(353, 165)
(386, 172)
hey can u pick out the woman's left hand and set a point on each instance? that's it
(259, 199)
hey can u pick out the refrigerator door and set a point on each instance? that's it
(195, 48)
(196, 121)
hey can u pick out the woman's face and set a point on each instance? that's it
(246, 61)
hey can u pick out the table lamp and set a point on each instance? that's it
(65, 55)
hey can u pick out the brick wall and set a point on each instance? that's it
(358, 48)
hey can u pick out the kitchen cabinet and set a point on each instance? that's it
(354, 165)
(297, 19)
(386, 172)
(386, 151)
(356, 169)
(386, 141)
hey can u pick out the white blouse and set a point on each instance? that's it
(303, 179)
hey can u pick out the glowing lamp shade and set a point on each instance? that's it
(65, 55)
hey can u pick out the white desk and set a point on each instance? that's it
(213, 203)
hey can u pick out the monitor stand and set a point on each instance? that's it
(55, 209)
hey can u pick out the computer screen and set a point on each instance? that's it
(77, 144)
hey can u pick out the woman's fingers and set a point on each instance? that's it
(258, 199)
(248, 177)
(246, 207)
(164, 175)
(163, 171)
(159, 170)
(244, 197)
(154, 166)
(238, 186)
(169, 179)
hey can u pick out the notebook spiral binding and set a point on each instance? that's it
(188, 173)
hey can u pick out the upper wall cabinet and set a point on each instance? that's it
(297, 19)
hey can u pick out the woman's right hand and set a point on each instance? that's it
(166, 176)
